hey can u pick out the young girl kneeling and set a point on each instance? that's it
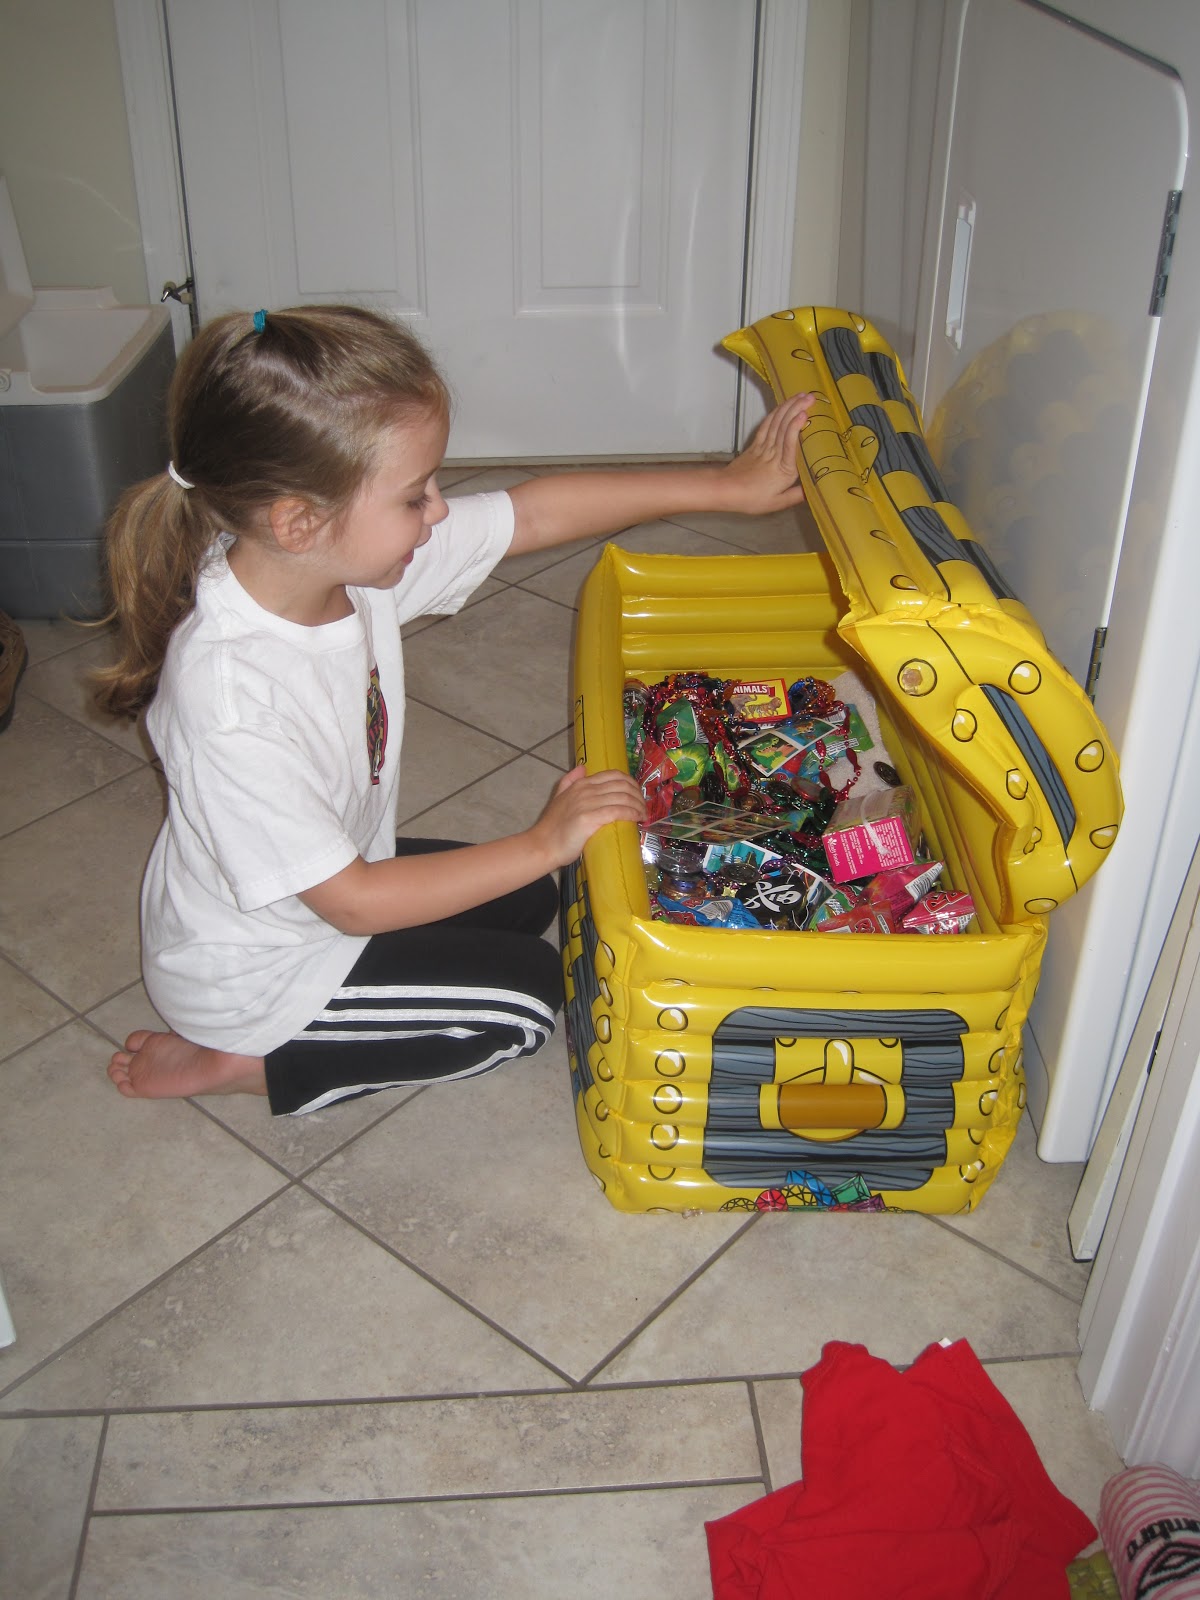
(295, 947)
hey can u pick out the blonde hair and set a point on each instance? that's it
(295, 403)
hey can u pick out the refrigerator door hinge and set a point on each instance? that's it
(1166, 247)
(1153, 1052)
(1097, 655)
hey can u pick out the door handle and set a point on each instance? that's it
(960, 268)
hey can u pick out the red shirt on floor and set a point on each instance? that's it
(918, 1485)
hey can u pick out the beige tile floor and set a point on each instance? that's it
(404, 1347)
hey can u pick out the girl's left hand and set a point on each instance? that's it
(764, 476)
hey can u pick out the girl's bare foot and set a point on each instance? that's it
(162, 1066)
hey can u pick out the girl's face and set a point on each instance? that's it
(394, 510)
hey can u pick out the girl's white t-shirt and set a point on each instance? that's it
(281, 747)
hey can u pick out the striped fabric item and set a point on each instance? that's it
(1150, 1525)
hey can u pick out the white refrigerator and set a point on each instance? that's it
(1056, 362)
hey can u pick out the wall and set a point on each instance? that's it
(64, 146)
(820, 181)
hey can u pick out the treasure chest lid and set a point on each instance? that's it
(958, 656)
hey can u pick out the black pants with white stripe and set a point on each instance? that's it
(448, 999)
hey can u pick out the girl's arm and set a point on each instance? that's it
(377, 896)
(577, 505)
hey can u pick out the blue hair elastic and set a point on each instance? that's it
(260, 321)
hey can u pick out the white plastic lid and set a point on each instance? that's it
(16, 290)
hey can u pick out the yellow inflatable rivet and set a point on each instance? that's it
(573, 929)
(1090, 757)
(1000, 1019)
(975, 1135)
(1024, 678)
(603, 1071)
(996, 1064)
(889, 1044)
(916, 677)
(674, 1020)
(860, 494)
(600, 1183)
(606, 991)
(604, 1152)
(859, 323)
(608, 955)
(884, 538)
(786, 1043)
(964, 726)
(803, 355)
(1040, 906)
(987, 1102)
(664, 1135)
(783, 316)
(603, 1029)
(970, 1172)
(1021, 1095)
(661, 1174)
(667, 1099)
(1016, 783)
(1103, 837)
(669, 1064)
(900, 582)
(601, 1111)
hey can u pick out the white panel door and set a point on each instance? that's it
(551, 192)
(1063, 150)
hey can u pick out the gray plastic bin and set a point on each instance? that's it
(83, 385)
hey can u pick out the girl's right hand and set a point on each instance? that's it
(579, 805)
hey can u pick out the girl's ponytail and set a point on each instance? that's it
(156, 542)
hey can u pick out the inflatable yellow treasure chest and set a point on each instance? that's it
(763, 1069)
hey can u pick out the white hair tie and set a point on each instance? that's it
(182, 482)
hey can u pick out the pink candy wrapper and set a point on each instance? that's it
(899, 890)
(943, 911)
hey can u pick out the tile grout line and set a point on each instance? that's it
(492, 773)
(998, 1255)
(573, 1491)
(666, 1303)
(764, 1457)
(421, 1272)
(452, 716)
(57, 811)
(85, 1524)
(313, 1166)
(465, 1396)
(96, 729)
(137, 1295)
(332, 1403)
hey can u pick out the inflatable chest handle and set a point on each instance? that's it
(959, 658)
